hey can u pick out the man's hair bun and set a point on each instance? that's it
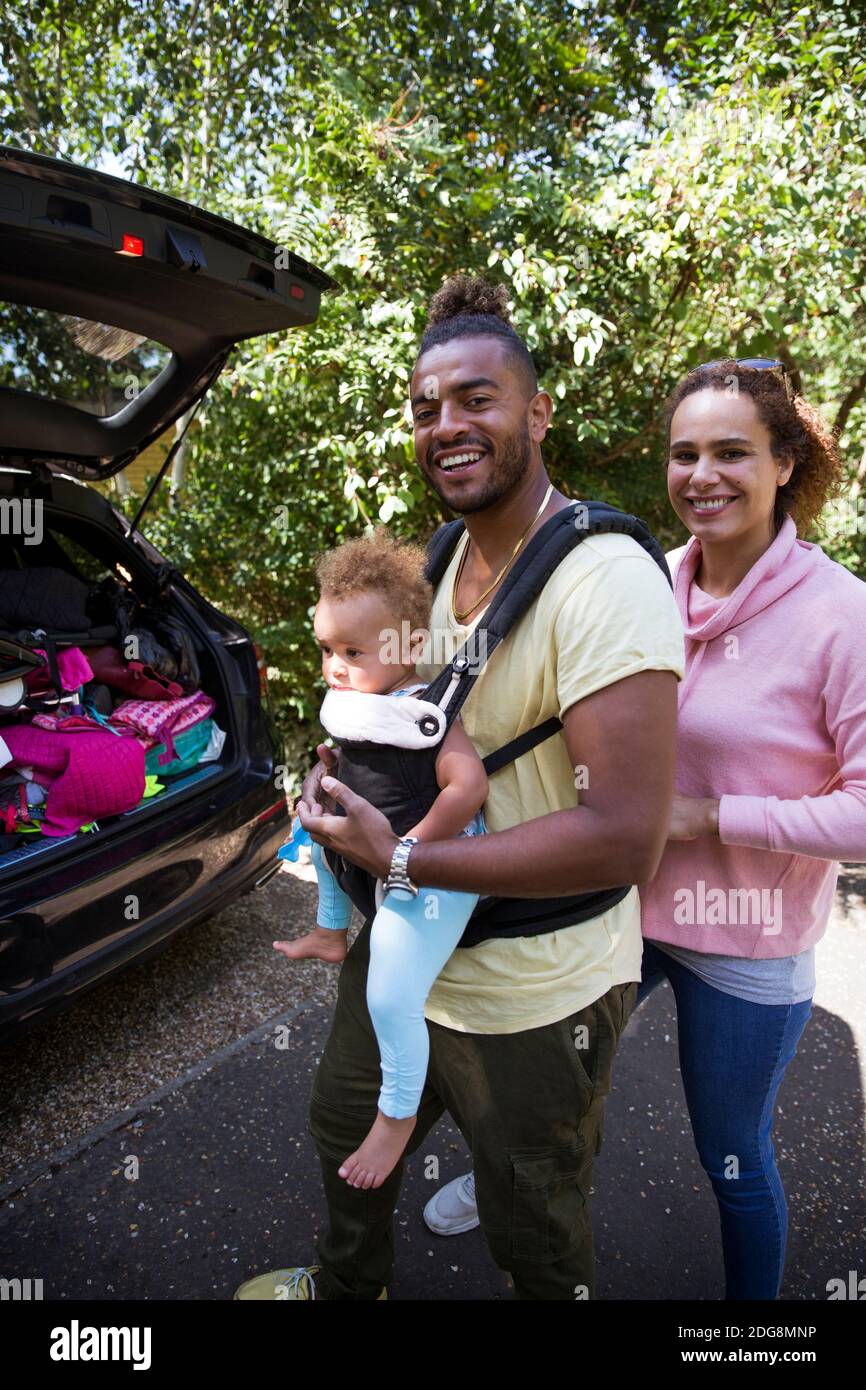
(468, 294)
(468, 306)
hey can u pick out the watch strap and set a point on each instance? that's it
(398, 874)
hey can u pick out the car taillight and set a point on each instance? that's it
(132, 245)
(262, 667)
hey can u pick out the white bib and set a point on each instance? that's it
(354, 715)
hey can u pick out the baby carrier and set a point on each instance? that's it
(401, 780)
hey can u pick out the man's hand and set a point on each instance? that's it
(363, 835)
(311, 792)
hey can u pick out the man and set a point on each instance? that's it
(523, 1030)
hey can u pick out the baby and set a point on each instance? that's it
(372, 592)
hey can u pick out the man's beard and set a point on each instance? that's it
(513, 460)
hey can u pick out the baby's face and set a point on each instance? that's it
(358, 637)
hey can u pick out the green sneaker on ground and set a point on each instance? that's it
(297, 1282)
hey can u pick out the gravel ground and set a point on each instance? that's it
(222, 980)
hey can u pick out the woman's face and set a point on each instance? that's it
(722, 474)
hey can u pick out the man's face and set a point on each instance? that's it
(468, 400)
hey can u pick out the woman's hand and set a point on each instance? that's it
(363, 835)
(311, 791)
(693, 816)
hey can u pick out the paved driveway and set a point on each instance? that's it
(155, 1139)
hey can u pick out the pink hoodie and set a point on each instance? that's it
(772, 720)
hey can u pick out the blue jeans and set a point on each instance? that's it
(733, 1055)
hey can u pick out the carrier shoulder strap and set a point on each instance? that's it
(440, 548)
(522, 585)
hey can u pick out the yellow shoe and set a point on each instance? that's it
(298, 1282)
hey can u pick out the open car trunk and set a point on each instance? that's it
(78, 770)
(119, 306)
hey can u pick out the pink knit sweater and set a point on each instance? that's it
(772, 721)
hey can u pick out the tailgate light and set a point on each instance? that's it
(296, 292)
(132, 245)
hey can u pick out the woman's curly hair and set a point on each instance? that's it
(796, 429)
(381, 564)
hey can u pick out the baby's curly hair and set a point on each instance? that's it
(380, 564)
(797, 430)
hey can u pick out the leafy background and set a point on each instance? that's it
(656, 183)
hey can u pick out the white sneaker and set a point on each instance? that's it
(452, 1209)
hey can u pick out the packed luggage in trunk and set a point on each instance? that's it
(104, 708)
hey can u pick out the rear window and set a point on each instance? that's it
(94, 366)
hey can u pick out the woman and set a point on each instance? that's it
(771, 776)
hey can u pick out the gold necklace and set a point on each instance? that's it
(466, 611)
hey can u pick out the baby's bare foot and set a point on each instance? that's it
(370, 1165)
(320, 943)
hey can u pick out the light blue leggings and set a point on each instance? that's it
(410, 941)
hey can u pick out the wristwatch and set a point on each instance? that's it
(398, 876)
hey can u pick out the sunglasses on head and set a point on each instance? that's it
(769, 364)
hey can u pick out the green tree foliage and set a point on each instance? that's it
(657, 184)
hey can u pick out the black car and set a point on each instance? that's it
(119, 307)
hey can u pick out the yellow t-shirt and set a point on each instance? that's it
(606, 612)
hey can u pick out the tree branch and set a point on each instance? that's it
(849, 400)
(793, 369)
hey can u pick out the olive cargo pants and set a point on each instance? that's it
(530, 1106)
